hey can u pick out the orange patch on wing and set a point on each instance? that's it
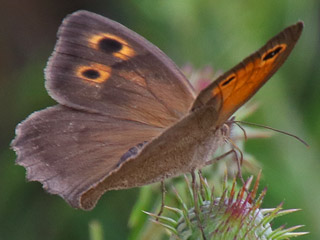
(238, 86)
(254, 68)
(125, 52)
(133, 77)
(95, 72)
(223, 85)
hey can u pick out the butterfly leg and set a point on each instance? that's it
(239, 161)
(201, 178)
(163, 194)
(220, 157)
(196, 203)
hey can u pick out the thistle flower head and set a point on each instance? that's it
(236, 214)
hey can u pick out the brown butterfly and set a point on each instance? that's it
(127, 116)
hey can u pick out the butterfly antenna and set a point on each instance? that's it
(243, 130)
(273, 129)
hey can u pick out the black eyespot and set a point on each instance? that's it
(91, 73)
(272, 53)
(228, 81)
(109, 45)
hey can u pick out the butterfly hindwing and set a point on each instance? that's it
(69, 151)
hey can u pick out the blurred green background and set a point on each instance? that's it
(202, 32)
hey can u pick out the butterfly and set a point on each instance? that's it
(126, 115)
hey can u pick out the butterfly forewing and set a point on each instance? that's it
(101, 66)
(231, 90)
